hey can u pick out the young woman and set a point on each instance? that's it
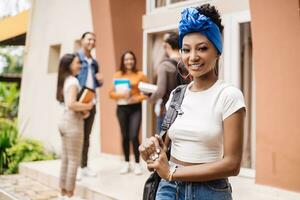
(71, 123)
(207, 138)
(129, 109)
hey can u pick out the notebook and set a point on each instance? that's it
(86, 95)
(122, 85)
(147, 87)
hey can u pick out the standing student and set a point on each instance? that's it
(71, 123)
(166, 77)
(90, 77)
(207, 138)
(129, 109)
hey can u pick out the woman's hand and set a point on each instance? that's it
(149, 147)
(133, 99)
(90, 105)
(160, 165)
(126, 95)
(99, 77)
(85, 114)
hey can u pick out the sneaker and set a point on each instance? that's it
(79, 174)
(138, 169)
(125, 168)
(88, 172)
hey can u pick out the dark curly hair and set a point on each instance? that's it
(211, 12)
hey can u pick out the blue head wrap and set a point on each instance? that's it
(192, 21)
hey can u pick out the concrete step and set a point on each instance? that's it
(20, 187)
(109, 184)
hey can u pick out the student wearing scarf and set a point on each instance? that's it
(207, 139)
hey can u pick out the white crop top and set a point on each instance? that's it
(70, 80)
(197, 135)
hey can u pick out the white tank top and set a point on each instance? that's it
(197, 135)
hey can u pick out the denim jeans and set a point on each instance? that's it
(219, 189)
(159, 122)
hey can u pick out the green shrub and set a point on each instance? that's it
(14, 150)
(9, 100)
(8, 138)
(26, 150)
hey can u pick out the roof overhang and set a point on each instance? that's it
(13, 29)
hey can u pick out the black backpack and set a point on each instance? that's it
(151, 185)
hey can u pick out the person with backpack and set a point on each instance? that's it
(206, 137)
(167, 77)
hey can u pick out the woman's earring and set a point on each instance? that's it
(182, 70)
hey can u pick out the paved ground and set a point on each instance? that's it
(25, 188)
(110, 185)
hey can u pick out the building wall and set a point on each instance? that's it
(276, 47)
(118, 26)
(55, 22)
(168, 16)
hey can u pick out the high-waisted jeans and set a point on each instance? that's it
(219, 189)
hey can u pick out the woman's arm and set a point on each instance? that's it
(73, 104)
(140, 96)
(228, 166)
(117, 96)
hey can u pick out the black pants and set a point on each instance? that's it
(88, 124)
(129, 117)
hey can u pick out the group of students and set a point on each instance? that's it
(129, 113)
(76, 71)
(206, 138)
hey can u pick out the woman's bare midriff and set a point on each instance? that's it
(179, 162)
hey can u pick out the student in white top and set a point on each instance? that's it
(207, 139)
(71, 123)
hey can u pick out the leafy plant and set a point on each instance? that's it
(14, 150)
(9, 100)
(8, 138)
(26, 150)
(14, 63)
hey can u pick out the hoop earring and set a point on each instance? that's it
(179, 64)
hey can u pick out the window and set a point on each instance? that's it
(163, 3)
(175, 1)
(160, 3)
(54, 55)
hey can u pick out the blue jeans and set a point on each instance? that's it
(209, 190)
(159, 122)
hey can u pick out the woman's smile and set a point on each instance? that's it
(196, 66)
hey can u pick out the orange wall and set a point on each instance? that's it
(118, 26)
(276, 48)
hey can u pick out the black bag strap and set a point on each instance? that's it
(174, 109)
